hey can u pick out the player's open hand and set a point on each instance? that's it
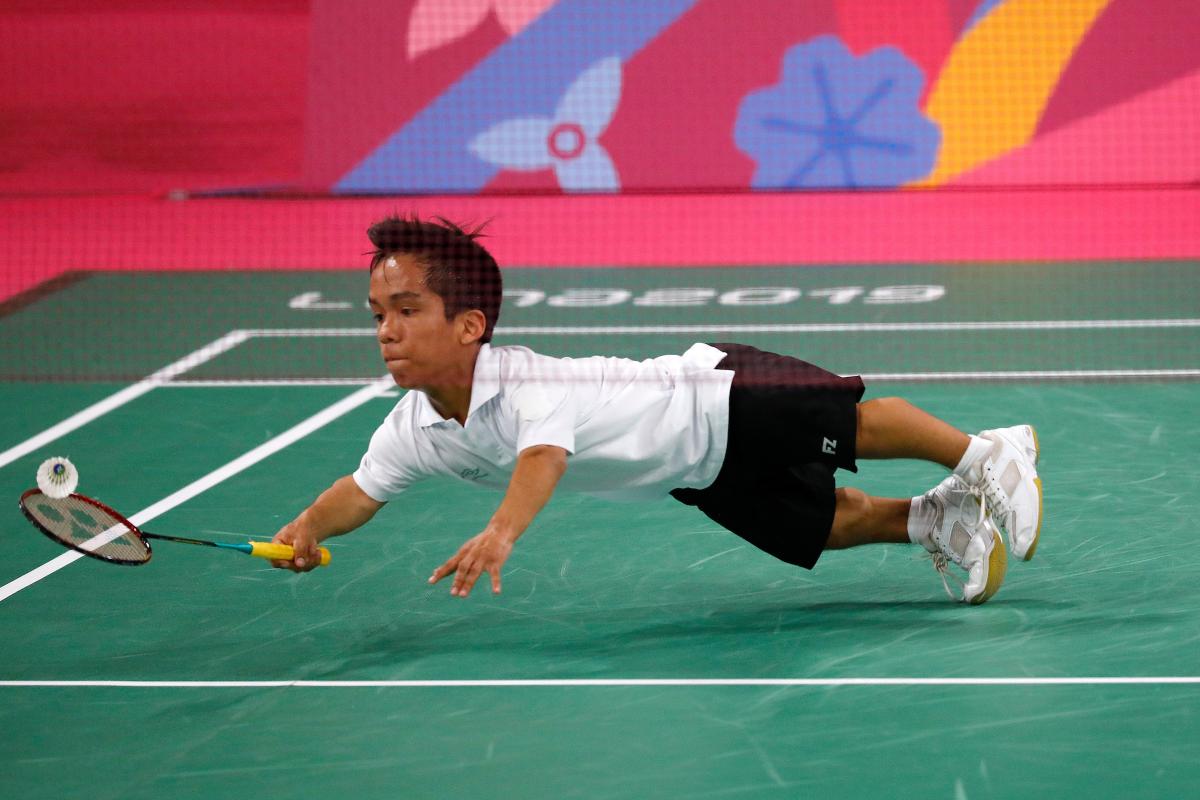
(306, 553)
(486, 552)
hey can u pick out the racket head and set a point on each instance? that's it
(73, 521)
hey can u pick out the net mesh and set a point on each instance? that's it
(81, 525)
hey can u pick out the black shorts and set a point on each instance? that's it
(791, 426)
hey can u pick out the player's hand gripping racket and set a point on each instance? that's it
(94, 529)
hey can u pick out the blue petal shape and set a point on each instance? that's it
(515, 144)
(591, 100)
(838, 121)
(593, 171)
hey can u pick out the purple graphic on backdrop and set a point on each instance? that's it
(567, 141)
(526, 77)
(836, 120)
(984, 8)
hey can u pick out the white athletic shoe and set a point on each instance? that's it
(1008, 478)
(959, 529)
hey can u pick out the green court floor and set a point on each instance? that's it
(633, 651)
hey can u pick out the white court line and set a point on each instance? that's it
(851, 327)
(1034, 374)
(605, 682)
(880, 377)
(129, 393)
(1083, 324)
(252, 382)
(275, 333)
(316, 421)
(799, 327)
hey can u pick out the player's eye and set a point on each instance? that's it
(408, 312)
(378, 318)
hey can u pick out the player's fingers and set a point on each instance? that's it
(460, 581)
(304, 554)
(444, 570)
(466, 579)
(291, 565)
(284, 535)
(495, 580)
(304, 549)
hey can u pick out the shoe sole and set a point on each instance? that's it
(997, 567)
(1037, 455)
(1037, 482)
(1038, 533)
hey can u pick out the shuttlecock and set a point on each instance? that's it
(57, 477)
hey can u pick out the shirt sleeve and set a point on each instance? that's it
(385, 471)
(545, 414)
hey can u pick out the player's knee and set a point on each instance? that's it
(852, 516)
(880, 412)
(885, 407)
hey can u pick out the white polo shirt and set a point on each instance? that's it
(634, 429)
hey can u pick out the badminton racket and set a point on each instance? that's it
(92, 528)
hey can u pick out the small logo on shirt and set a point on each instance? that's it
(472, 474)
(829, 446)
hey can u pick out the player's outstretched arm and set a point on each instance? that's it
(340, 509)
(538, 471)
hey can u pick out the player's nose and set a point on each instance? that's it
(389, 332)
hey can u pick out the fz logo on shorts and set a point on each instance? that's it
(829, 446)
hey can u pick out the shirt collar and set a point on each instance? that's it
(485, 384)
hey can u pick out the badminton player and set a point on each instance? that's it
(750, 438)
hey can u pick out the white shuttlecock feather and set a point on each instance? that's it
(57, 477)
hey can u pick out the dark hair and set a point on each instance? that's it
(457, 267)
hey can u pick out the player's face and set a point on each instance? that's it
(422, 349)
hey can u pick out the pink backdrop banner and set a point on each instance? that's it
(566, 96)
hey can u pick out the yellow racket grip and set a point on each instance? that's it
(282, 552)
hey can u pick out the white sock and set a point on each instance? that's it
(920, 520)
(976, 451)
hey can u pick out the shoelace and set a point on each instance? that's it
(941, 562)
(996, 496)
(942, 565)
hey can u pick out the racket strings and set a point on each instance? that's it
(76, 523)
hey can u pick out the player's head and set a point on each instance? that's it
(457, 267)
(435, 293)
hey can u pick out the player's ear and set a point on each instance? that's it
(471, 324)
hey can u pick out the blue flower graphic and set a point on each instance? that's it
(836, 121)
(568, 141)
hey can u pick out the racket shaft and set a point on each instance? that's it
(269, 550)
(281, 552)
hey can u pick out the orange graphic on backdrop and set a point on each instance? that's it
(435, 23)
(994, 87)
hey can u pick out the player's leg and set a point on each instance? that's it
(859, 518)
(1001, 463)
(948, 521)
(890, 427)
